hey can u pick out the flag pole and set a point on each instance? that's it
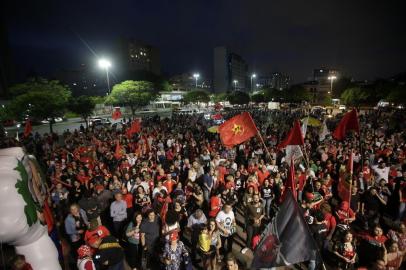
(351, 172)
(260, 136)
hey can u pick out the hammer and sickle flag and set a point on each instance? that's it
(237, 130)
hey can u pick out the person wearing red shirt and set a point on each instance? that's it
(221, 172)
(129, 199)
(262, 174)
(215, 205)
(344, 214)
(95, 232)
(169, 183)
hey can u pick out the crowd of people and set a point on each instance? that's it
(173, 197)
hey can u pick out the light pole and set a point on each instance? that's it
(331, 78)
(235, 84)
(196, 76)
(253, 76)
(105, 64)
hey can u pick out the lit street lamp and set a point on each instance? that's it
(331, 78)
(105, 64)
(235, 84)
(196, 76)
(253, 76)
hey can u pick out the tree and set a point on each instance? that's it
(219, 97)
(39, 99)
(397, 95)
(258, 98)
(355, 96)
(134, 94)
(297, 94)
(82, 105)
(238, 97)
(272, 94)
(341, 85)
(196, 96)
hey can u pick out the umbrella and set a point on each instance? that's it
(313, 122)
(213, 129)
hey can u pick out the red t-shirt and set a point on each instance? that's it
(262, 176)
(215, 206)
(99, 232)
(169, 184)
(128, 198)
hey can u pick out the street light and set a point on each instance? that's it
(252, 77)
(235, 84)
(196, 76)
(331, 78)
(105, 64)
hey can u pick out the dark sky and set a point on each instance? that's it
(364, 39)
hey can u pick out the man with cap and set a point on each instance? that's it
(109, 254)
(85, 261)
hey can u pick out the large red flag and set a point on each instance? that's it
(347, 123)
(294, 136)
(238, 129)
(345, 179)
(134, 128)
(27, 128)
(116, 113)
(118, 153)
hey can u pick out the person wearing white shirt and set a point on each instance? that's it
(381, 172)
(226, 223)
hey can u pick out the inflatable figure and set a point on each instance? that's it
(22, 195)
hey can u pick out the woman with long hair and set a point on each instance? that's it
(134, 250)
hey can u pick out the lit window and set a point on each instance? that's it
(74, 83)
(132, 56)
(321, 70)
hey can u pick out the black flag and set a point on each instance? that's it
(286, 240)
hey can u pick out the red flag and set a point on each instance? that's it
(217, 116)
(238, 129)
(116, 114)
(49, 220)
(345, 179)
(349, 122)
(27, 128)
(134, 128)
(290, 182)
(294, 136)
(118, 153)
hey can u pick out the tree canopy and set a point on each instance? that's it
(82, 105)
(195, 96)
(219, 97)
(239, 97)
(355, 96)
(134, 94)
(39, 99)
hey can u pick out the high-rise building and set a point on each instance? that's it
(276, 80)
(186, 82)
(230, 71)
(280, 81)
(321, 85)
(140, 56)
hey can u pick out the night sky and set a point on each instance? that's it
(364, 39)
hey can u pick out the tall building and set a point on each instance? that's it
(280, 81)
(276, 80)
(139, 56)
(321, 84)
(186, 82)
(230, 71)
